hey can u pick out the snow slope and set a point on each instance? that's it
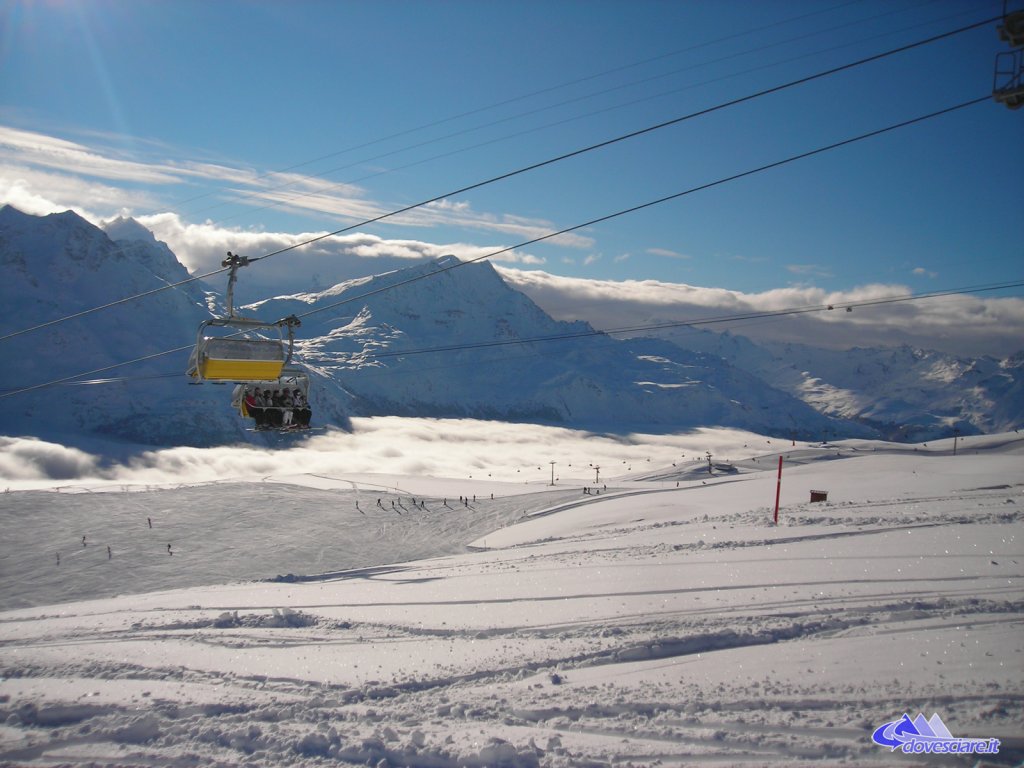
(663, 620)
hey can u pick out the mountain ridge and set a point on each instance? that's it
(904, 392)
(372, 345)
(538, 368)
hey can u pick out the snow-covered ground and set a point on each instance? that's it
(655, 616)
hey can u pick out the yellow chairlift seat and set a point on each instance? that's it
(224, 359)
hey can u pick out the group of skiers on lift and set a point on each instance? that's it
(278, 408)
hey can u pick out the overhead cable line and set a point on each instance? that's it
(121, 379)
(548, 236)
(78, 376)
(640, 132)
(593, 332)
(125, 300)
(552, 88)
(659, 201)
(541, 164)
(759, 315)
(281, 200)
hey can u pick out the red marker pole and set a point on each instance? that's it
(778, 490)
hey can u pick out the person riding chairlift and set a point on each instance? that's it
(286, 415)
(276, 407)
(251, 407)
(303, 413)
(260, 411)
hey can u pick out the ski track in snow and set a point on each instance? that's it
(647, 625)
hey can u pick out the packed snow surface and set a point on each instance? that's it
(443, 604)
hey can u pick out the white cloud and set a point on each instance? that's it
(42, 192)
(333, 259)
(25, 458)
(223, 173)
(812, 270)
(966, 324)
(668, 254)
(43, 174)
(38, 169)
(485, 450)
(346, 206)
(27, 147)
(462, 214)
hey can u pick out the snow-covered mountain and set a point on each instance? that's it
(904, 393)
(60, 265)
(434, 339)
(379, 338)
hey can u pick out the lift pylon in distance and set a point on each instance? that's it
(1008, 80)
(1011, 31)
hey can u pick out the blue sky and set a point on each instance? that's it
(182, 113)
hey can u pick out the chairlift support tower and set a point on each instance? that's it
(1011, 31)
(1008, 79)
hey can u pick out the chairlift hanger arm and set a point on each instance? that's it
(230, 358)
(233, 262)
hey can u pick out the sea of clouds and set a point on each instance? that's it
(455, 448)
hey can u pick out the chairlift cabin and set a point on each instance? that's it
(247, 349)
(243, 355)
